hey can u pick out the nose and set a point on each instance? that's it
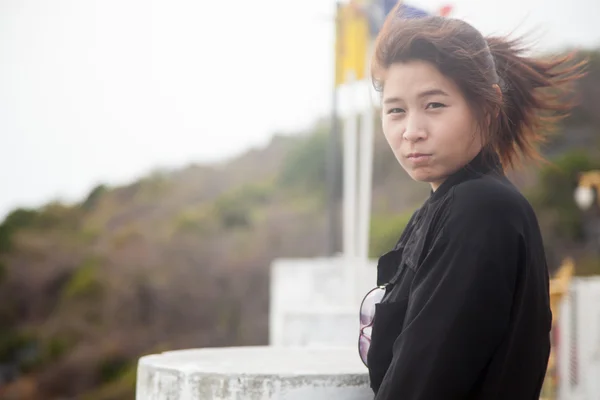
(415, 130)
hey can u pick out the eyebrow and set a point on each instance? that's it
(426, 93)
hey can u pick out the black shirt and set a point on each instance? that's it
(466, 314)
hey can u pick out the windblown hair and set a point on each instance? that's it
(536, 93)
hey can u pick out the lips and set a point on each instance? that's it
(418, 155)
(419, 158)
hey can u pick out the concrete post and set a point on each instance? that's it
(253, 373)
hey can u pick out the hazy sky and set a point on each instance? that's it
(106, 90)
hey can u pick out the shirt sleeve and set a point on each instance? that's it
(460, 303)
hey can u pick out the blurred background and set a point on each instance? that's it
(156, 156)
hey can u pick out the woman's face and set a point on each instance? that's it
(427, 122)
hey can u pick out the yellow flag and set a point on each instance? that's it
(351, 44)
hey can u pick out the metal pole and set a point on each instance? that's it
(350, 175)
(350, 139)
(365, 183)
(332, 154)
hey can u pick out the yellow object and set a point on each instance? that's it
(352, 42)
(559, 286)
(590, 179)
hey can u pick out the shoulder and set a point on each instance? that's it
(488, 200)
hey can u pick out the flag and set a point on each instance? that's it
(378, 10)
(408, 12)
(352, 42)
(357, 23)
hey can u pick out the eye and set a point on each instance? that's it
(395, 110)
(435, 105)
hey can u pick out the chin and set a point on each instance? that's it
(429, 178)
(421, 176)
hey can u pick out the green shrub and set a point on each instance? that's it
(94, 197)
(553, 195)
(385, 232)
(236, 208)
(85, 282)
(305, 167)
(112, 368)
(18, 219)
(56, 347)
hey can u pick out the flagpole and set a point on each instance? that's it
(350, 172)
(365, 152)
(365, 180)
(332, 154)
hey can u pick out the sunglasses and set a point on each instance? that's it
(367, 315)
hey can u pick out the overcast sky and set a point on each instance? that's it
(104, 91)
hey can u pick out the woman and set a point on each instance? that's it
(464, 305)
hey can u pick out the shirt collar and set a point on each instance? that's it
(485, 161)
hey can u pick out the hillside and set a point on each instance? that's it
(181, 258)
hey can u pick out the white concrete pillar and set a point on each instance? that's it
(253, 373)
(308, 308)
